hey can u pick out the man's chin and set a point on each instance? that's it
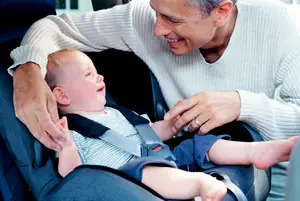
(179, 52)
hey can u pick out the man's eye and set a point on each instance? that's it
(173, 21)
(88, 74)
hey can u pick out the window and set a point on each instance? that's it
(60, 4)
(292, 1)
(72, 6)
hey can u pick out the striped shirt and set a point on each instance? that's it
(98, 152)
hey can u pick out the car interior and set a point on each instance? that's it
(30, 169)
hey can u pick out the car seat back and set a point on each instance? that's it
(100, 4)
(293, 184)
(15, 18)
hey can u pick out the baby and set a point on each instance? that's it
(79, 89)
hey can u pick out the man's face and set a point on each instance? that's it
(183, 26)
(84, 86)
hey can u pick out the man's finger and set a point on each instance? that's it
(180, 108)
(208, 126)
(52, 108)
(38, 132)
(47, 124)
(46, 140)
(198, 122)
(189, 116)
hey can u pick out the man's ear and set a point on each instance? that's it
(222, 13)
(61, 96)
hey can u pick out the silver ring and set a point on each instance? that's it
(197, 122)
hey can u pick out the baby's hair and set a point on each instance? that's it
(53, 66)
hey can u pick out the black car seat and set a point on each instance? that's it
(14, 21)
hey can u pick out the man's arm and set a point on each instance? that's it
(277, 118)
(93, 31)
(35, 104)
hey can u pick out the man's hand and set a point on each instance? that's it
(206, 110)
(35, 105)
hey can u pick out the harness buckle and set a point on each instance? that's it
(148, 150)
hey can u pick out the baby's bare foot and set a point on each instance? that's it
(267, 154)
(211, 189)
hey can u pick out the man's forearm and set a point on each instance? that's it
(273, 119)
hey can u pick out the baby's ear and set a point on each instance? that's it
(61, 96)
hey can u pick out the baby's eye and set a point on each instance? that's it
(88, 74)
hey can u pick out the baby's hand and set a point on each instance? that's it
(166, 129)
(68, 156)
(62, 125)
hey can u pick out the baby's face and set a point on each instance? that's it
(84, 86)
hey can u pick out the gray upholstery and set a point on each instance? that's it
(293, 186)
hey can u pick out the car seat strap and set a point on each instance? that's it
(236, 191)
(93, 129)
(151, 146)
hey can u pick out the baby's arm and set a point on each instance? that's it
(165, 129)
(68, 157)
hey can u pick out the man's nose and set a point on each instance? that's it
(99, 78)
(161, 27)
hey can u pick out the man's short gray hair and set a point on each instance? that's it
(206, 6)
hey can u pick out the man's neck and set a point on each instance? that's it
(213, 50)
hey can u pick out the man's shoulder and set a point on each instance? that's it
(270, 9)
(270, 16)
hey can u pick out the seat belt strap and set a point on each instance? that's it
(132, 117)
(92, 129)
(236, 191)
(153, 144)
(122, 142)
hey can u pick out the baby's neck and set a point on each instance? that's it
(103, 112)
(98, 112)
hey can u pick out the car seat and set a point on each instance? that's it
(38, 165)
(293, 178)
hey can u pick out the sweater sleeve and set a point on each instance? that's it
(92, 31)
(276, 118)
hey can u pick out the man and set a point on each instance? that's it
(228, 61)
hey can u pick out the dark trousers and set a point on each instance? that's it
(190, 154)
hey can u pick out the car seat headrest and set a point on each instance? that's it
(17, 15)
(103, 4)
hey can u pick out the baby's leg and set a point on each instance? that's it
(269, 153)
(262, 154)
(173, 183)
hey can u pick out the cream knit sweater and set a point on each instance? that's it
(261, 62)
